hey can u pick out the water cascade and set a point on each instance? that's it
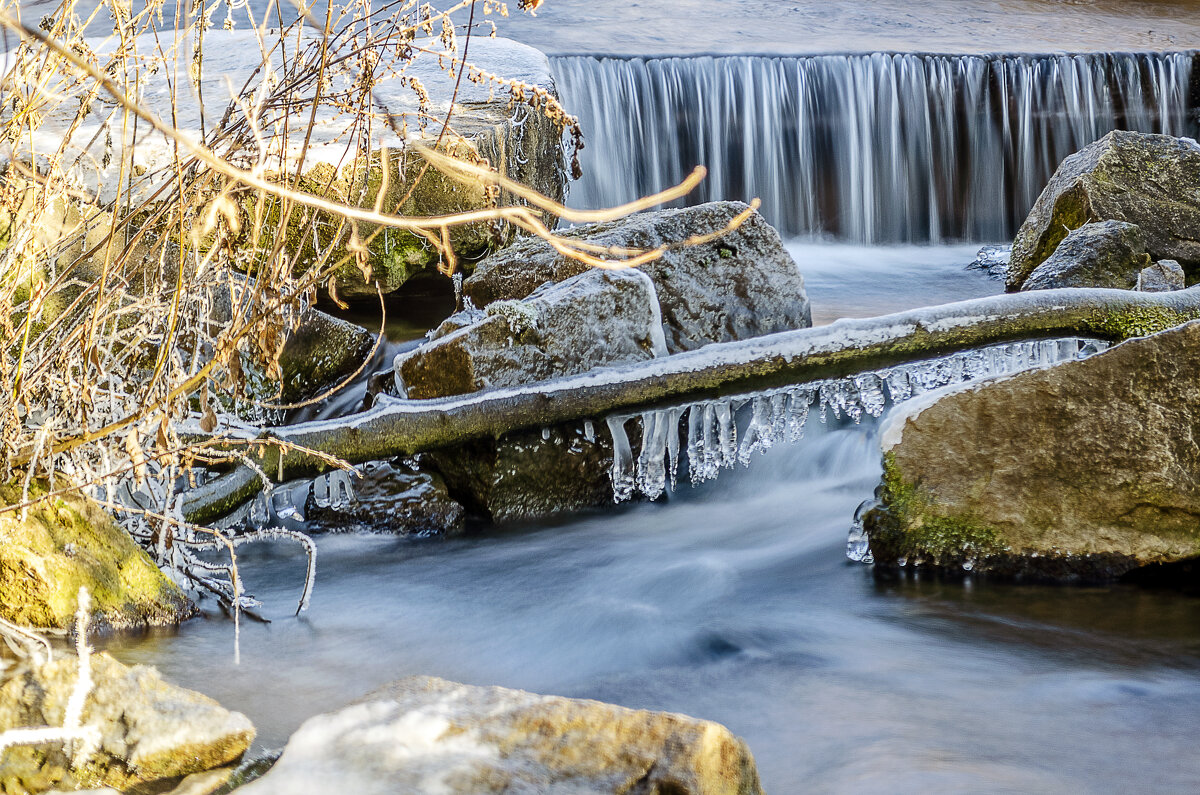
(780, 415)
(881, 148)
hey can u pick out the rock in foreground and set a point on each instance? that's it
(151, 731)
(740, 285)
(425, 735)
(1149, 180)
(68, 542)
(1085, 470)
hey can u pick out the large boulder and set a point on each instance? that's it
(424, 735)
(594, 319)
(1149, 180)
(1103, 254)
(740, 285)
(151, 732)
(319, 354)
(67, 542)
(1084, 470)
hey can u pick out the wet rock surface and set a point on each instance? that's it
(741, 285)
(1081, 471)
(423, 734)
(151, 731)
(392, 497)
(531, 474)
(1152, 181)
(591, 320)
(68, 542)
(1104, 254)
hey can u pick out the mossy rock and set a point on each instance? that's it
(1152, 181)
(1082, 471)
(67, 542)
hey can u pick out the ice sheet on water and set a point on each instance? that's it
(780, 415)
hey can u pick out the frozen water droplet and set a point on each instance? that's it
(589, 431)
(545, 434)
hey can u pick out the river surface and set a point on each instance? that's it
(734, 601)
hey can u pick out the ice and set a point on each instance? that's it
(775, 416)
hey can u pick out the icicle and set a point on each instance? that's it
(651, 478)
(589, 431)
(870, 393)
(798, 403)
(622, 467)
(672, 432)
(858, 542)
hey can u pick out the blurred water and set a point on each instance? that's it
(735, 602)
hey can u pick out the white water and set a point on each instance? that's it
(876, 148)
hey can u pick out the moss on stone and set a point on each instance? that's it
(910, 526)
(1139, 321)
(70, 542)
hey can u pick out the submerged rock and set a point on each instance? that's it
(392, 498)
(1149, 180)
(994, 260)
(151, 731)
(1084, 470)
(594, 319)
(424, 735)
(1104, 254)
(68, 542)
(740, 285)
(1161, 277)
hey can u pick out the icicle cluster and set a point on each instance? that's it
(780, 415)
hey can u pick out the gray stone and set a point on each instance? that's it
(1162, 277)
(594, 319)
(1104, 254)
(1149, 180)
(393, 498)
(738, 286)
(424, 735)
(1083, 470)
(320, 353)
(151, 731)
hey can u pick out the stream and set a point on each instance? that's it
(734, 601)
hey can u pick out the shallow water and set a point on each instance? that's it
(735, 602)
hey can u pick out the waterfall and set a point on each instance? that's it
(881, 148)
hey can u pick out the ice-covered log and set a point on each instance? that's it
(843, 348)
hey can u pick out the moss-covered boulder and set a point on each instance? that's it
(740, 285)
(67, 542)
(319, 354)
(428, 735)
(1084, 470)
(150, 731)
(1103, 254)
(1149, 180)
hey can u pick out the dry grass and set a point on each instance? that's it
(132, 341)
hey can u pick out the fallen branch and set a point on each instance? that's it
(395, 427)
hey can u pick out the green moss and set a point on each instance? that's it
(70, 542)
(909, 525)
(1138, 321)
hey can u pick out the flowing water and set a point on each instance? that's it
(734, 600)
